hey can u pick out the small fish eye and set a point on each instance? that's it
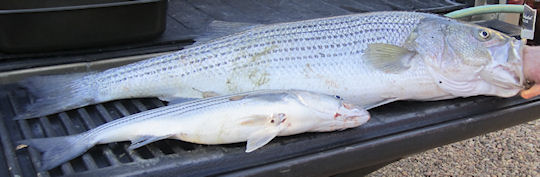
(337, 96)
(484, 34)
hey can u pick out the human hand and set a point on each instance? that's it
(531, 70)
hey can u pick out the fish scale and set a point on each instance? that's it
(258, 59)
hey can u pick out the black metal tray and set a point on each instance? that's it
(37, 25)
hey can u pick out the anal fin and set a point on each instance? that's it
(144, 140)
(273, 127)
(382, 102)
(176, 100)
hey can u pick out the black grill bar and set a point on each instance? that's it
(87, 159)
(124, 112)
(157, 103)
(108, 118)
(14, 167)
(148, 151)
(104, 113)
(152, 147)
(47, 125)
(174, 147)
(110, 156)
(90, 124)
(34, 154)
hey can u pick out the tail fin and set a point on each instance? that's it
(57, 150)
(58, 93)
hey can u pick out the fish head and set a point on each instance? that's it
(467, 59)
(330, 112)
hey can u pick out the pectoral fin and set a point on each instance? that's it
(272, 128)
(260, 138)
(144, 140)
(388, 58)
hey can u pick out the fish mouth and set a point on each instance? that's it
(506, 68)
(516, 55)
(353, 113)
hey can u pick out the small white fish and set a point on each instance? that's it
(256, 117)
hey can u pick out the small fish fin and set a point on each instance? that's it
(217, 29)
(262, 137)
(168, 98)
(144, 140)
(180, 100)
(58, 150)
(388, 58)
(382, 102)
(254, 120)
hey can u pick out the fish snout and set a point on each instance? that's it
(353, 115)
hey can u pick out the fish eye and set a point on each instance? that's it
(483, 34)
(338, 97)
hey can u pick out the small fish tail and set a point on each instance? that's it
(57, 150)
(57, 93)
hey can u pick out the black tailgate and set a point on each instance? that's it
(395, 130)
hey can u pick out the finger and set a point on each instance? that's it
(531, 92)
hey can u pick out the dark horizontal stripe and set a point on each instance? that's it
(171, 57)
(221, 64)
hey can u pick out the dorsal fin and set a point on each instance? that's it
(140, 141)
(217, 29)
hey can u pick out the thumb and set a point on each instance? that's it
(531, 92)
(531, 70)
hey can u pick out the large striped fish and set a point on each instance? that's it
(369, 59)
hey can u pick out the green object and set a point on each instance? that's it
(499, 8)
